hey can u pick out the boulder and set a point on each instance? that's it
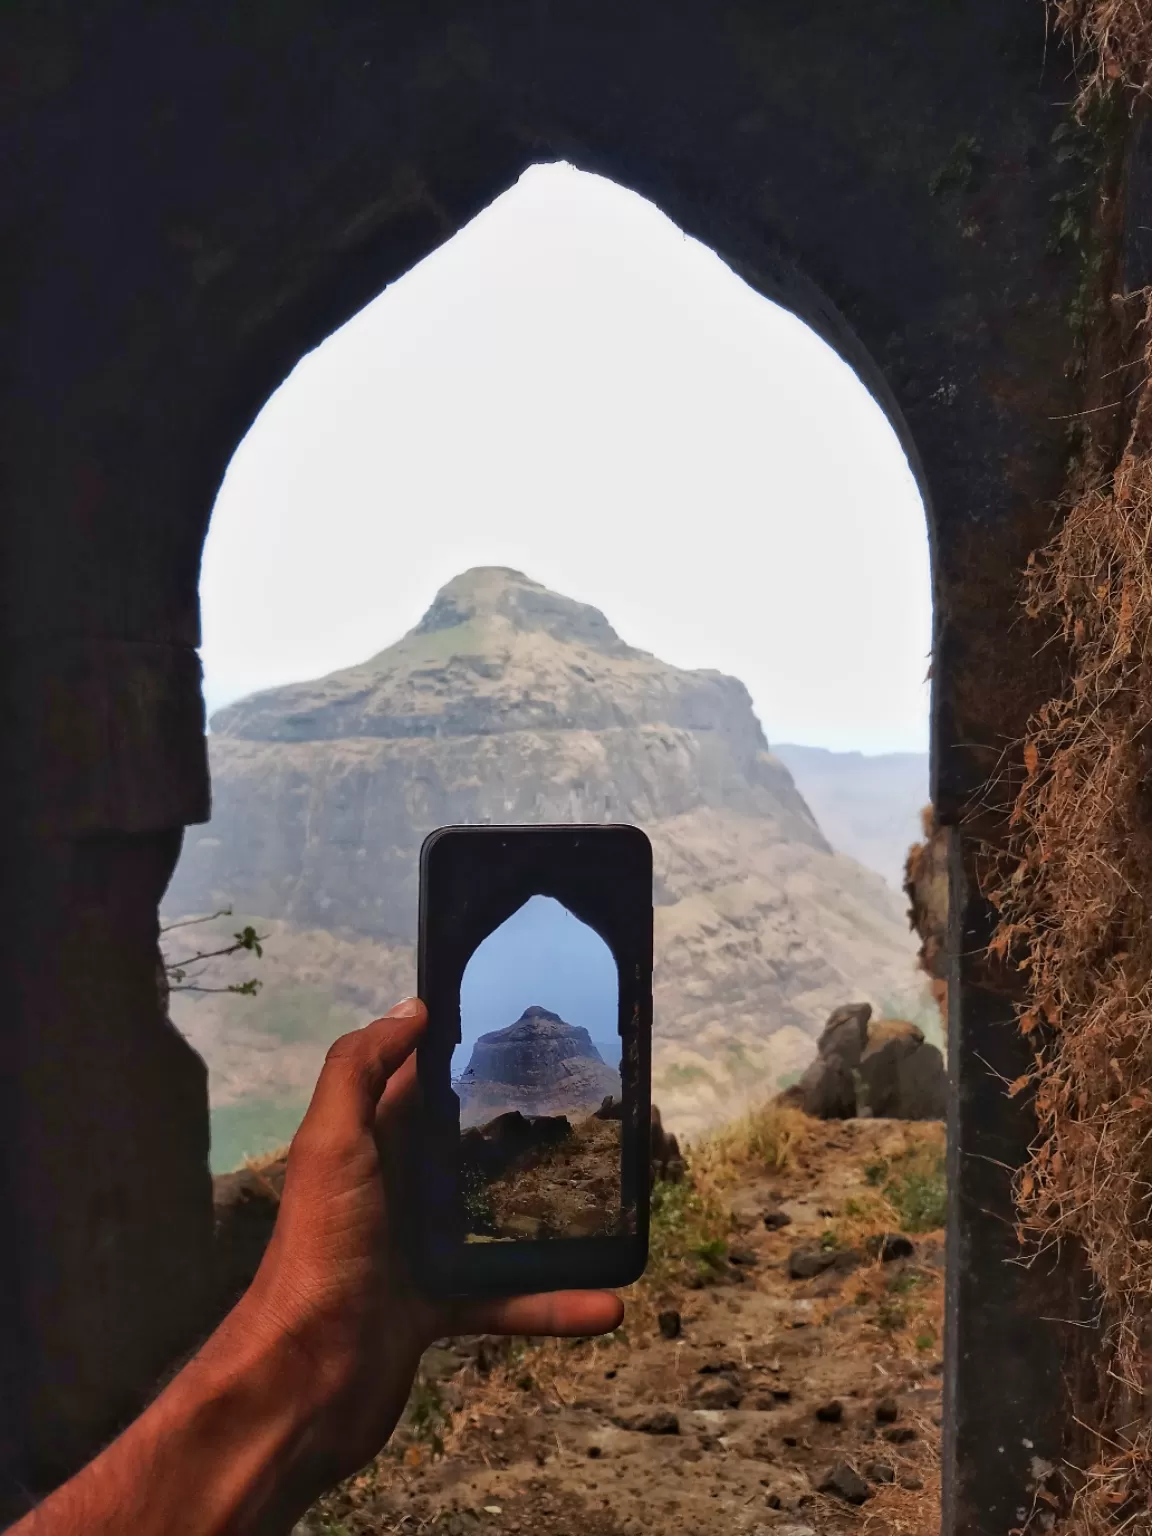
(845, 1035)
(889, 1246)
(867, 1066)
(844, 1482)
(510, 1138)
(665, 1159)
(828, 1088)
(901, 1076)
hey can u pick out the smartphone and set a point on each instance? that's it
(535, 963)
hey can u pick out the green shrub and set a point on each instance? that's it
(915, 1184)
(920, 1195)
(687, 1230)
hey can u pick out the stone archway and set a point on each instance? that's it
(192, 201)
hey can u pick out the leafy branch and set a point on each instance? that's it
(184, 975)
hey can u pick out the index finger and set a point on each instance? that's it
(358, 1066)
(561, 1314)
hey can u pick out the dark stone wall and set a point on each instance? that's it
(194, 196)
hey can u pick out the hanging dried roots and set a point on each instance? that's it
(1114, 40)
(1075, 900)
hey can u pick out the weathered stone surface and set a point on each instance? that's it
(718, 1392)
(901, 1075)
(106, 1274)
(844, 1482)
(827, 1089)
(665, 1159)
(805, 1263)
(889, 1246)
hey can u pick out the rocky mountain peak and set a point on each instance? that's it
(495, 592)
(534, 1023)
(496, 654)
(540, 1064)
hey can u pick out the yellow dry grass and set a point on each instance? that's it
(768, 1137)
(1075, 900)
(1075, 893)
(1113, 39)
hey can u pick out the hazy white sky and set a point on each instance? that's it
(575, 388)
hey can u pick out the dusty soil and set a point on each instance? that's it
(729, 1416)
(571, 1190)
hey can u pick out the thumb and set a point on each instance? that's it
(357, 1068)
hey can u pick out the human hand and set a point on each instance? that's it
(334, 1281)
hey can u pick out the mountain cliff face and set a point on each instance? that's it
(506, 703)
(511, 703)
(540, 1065)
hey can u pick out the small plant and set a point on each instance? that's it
(920, 1196)
(712, 1252)
(925, 1342)
(891, 1315)
(476, 1197)
(187, 973)
(903, 1284)
(687, 1225)
(915, 1186)
(427, 1417)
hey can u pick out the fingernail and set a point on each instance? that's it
(407, 1008)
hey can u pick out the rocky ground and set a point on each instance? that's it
(778, 1373)
(572, 1190)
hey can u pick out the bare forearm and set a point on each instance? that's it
(227, 1448)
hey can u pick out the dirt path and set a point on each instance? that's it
(735, 1422)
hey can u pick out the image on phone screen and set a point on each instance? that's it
(537, 1075)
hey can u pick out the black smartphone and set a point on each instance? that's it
(535, 962)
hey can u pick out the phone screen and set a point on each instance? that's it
(536, 967)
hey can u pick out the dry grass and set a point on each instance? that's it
(1113, 41)
(1076, 914)
(897, 1511)
(768, 1137)
(265, 1160)
(1075, 893)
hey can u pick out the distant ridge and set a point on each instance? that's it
(868, 805)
